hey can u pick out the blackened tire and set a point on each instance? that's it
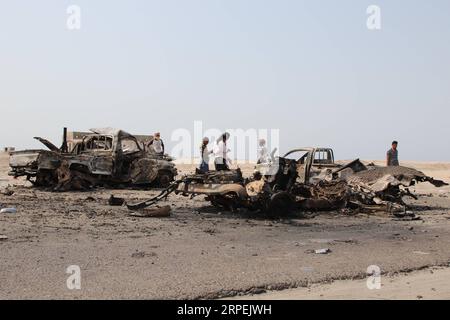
(164, 179)
(281, 204)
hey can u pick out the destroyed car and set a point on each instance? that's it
(317, 164)
(308, 183)
(276, 194)
(107, 157)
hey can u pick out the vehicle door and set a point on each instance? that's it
(303, 159)
(97, 152)
(137, 167)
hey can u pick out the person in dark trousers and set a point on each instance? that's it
(392, 155)
(204, 153)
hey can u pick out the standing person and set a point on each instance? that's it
(262, 152)
(220, 153)
(204, 153)
(392, 155)
(157, 144)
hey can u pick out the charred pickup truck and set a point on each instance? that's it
(313, 165)
(107, 157)
(304, 179)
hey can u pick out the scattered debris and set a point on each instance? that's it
(210, 231)
(322, 251)
(406, 216)
(349, 241)
(7, 192)
(319, 251)
(304, 179)
(138, 254)
(152, 213)
(113, 201)
(309, 183)
(8, 210)
(143, 254)
(421, 252)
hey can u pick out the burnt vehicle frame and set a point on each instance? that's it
(105, 157)
(311, 182)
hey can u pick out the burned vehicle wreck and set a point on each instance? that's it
(106, 157)
(311, 182)
(276, 189)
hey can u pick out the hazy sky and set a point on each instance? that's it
(309, 68)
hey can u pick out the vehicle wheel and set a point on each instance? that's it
(229, 201)
(45, 178)
(281, 204)
(164, 179)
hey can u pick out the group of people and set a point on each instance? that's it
(220, 152)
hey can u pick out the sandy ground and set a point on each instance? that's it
(431, 283)
(200, 252)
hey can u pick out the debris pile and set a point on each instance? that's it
(305, 179)
(284, 187)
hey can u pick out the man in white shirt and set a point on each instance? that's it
(220, 151)
(204, 153)
(263, 155)
(158, 144)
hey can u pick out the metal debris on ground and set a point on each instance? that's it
(7, 192)
(3, 237)
(406, 216)
(152, 213)
(114, 201)
(322, 251)
(319, 251)
(8, 210)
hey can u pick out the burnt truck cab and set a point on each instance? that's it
(313, 165)
(106, 157)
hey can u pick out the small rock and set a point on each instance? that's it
(8, 192)
(3, 237)
(114, 201)
(138, 254)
